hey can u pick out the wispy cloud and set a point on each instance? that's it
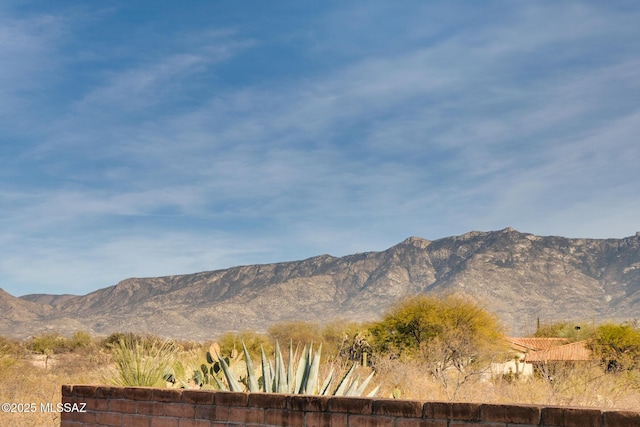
(182, 159)
(25, 46)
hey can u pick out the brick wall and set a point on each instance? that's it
(155, 407)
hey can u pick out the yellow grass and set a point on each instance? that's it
(26, 381)
(34, 379)
(574, 385)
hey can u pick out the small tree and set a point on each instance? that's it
(49, 343)
(618, 346)
(407, 325)
(456, 339)
(572, 331)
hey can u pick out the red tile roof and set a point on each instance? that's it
(535, 344)
(575, 351)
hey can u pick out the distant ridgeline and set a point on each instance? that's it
(520, 277)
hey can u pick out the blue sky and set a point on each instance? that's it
(148, 138)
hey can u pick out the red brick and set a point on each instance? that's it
(349, 405)
(409, 422)
(370, 421)
(552, 416)
(110, 392)
(477, 423)
(96, 404)
(246, 415)
(68, 416)
(123, 406)
(621, 419)
(67, 390)
(73, 400)
(166, 395)
(85, 390)
(324, 419)
(308, 403)
(137, 393)
(452, 411)
(228, 398)
(516, 414)
(194, 423)
(180, 410)
(109, 419)
(200, 397)
(398, 408)
(571, 417)
(150, 408)
(83, 417)
(212, 412)
(164, 422)
(267, 400)
(136, 421)
(284, 417)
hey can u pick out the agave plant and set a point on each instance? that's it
(278, 377)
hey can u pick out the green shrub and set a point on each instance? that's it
(80, 340)
(571, 330)
(618, 346)
(50, 343)
(116, 338)
(142, 363)
(11, 347)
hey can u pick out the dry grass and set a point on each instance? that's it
(574, 385)
(25, 379)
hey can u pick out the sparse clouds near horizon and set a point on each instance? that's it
(147, 139)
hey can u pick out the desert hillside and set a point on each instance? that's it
(518, 276)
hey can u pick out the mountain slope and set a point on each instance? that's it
(518, 276)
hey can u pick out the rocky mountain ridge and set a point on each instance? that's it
(518, 276)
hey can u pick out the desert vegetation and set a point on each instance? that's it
(423, 348)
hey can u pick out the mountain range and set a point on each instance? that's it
(518, 276)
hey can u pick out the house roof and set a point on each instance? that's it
(535, 344)
(575, 351)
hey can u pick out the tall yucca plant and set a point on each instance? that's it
(280, 378)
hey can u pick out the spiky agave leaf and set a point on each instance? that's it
(365, 383)
(290, 382)
(267, 378)
(344, 382)
(252, 381)
(219, 383)
(312, 378)
(281, 375)
(324, 390)
(373, 392)
(351, 390)
(234, 385)
(302, 371)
